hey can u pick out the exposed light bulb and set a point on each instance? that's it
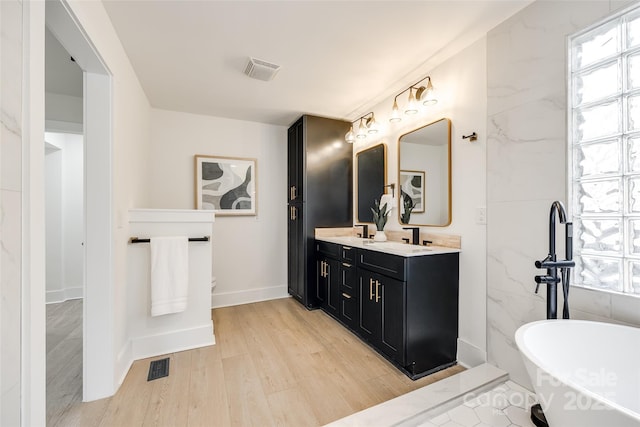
(412, 105)
(395, 113)
(350, 137)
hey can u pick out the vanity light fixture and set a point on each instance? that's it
(372, 125)
(412, 105)
(428, 96)
(424, 94)
(367, 125)
(362, 134)
(350, 137)
(395, 112)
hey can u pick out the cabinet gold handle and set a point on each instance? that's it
(347, 296)
(322, 269)
(370, 289)
(377, 286)
(293, 213)
(291, 193)
(295, 192)
(346, 265)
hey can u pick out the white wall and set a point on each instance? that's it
(63, 108)
(249, 252)
(64, 204)
(526, 172)
(462, 98)
(53, 218)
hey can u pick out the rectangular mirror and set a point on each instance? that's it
(424, 175)
(371, 178)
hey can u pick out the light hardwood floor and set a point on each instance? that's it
(64, 358)
(275, 363)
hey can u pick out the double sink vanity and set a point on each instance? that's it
(401, 299)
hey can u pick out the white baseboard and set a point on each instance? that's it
(185, 339)
(469, 355)
(123, 363)
(65, 294)
(227, 299)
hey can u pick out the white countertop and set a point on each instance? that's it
(394, 248)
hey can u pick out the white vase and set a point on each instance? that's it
(380, 236)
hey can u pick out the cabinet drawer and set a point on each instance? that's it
(383, 263)
(328, 249)
(349, 279)
(348, 254)
(349, 309)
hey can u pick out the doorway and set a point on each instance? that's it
(64, 257)
(98, 355)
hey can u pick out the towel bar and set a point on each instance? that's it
(191, 239)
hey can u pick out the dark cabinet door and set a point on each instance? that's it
(295, 150)
(370, 313)
(382, 317)
(333, 292)
(349, 310)
(328, 285)
(393, 317)
(295, 252)
(322, 284)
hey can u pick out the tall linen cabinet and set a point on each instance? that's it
(320, 194)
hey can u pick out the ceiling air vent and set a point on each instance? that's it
(261, 70)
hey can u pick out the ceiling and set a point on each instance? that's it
(338, 57)
(62, 75)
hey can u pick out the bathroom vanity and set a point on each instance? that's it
(401, 299)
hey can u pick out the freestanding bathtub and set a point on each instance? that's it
(584, 373)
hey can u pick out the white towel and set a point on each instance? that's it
(169, 274)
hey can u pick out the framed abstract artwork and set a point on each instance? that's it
(226, 184)
(412, 183)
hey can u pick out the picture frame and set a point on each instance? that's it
(413, 183)
(226, 185)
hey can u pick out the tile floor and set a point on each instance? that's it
(506, 405)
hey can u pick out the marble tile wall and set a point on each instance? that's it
(10, 207)
(526, 170)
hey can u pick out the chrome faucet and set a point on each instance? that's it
(415, 235)
(552, 264)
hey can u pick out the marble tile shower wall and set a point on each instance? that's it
(10, 207)
(526, 170)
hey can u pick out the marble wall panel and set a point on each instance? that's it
(526, 171)
(10, 208)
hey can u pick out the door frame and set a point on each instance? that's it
(98, 317)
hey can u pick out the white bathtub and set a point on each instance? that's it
(584, 373)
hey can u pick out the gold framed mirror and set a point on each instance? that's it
(424, 175)
(371, 177)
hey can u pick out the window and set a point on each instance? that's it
(604, 153)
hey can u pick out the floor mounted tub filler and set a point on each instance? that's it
(584, 373)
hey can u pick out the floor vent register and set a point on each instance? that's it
(158, 369)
